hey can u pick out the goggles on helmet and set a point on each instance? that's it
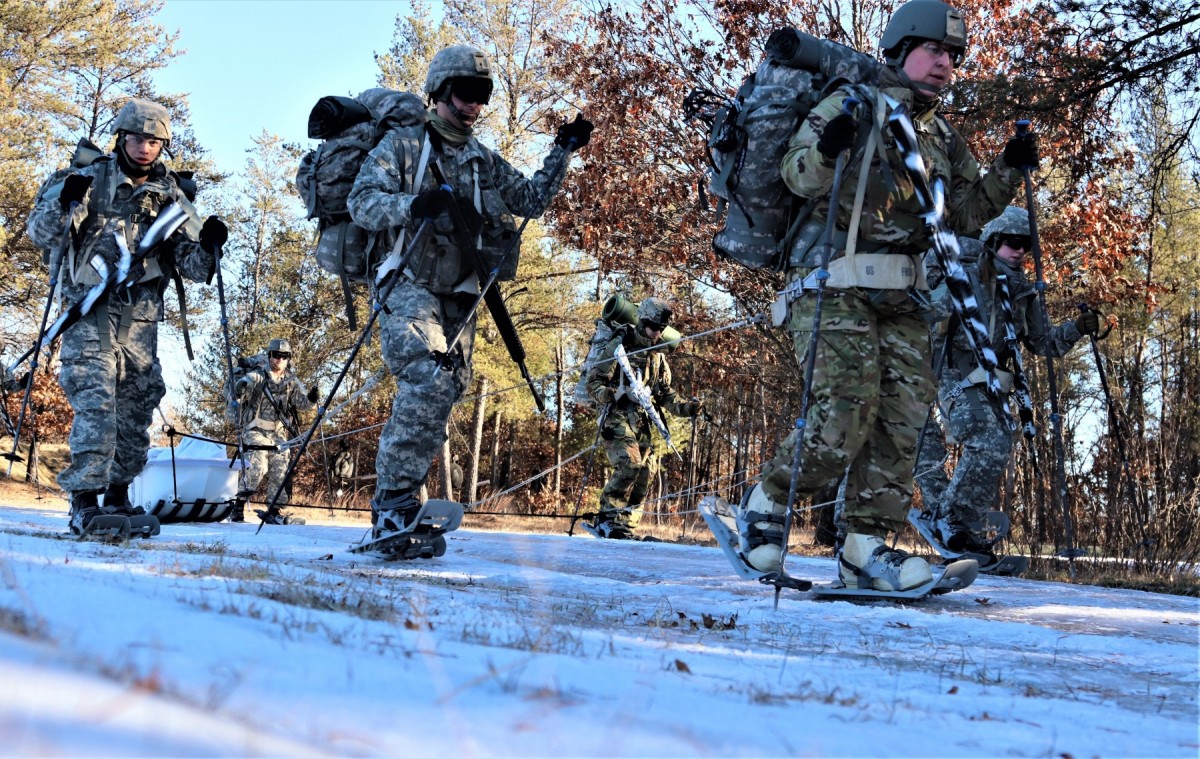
(281, 354)
(1016, 242)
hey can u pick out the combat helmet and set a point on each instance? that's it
(456, 62)
(279, 344)
(923, 20)
(1013, 221)
(654, 310)
(144, 117)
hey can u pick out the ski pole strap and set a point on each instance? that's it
(931, 196)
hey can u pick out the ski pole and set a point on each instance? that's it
(55, 265)
(587, 472)
(780, 579)
(1060, 464)
(376, 307)
(219, 253)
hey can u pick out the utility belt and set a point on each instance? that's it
(979, 377)
(881, 268)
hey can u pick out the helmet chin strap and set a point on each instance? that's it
(456, 112)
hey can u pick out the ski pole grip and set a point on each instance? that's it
(1022, 127)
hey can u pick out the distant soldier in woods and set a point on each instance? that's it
(872, 385)
(110, 369)
(955, 507)
(437, 283)
(270, 397)
(626, 421)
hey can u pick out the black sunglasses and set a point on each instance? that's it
(281, 354)
(1017, 242)
(658, 327)
(471, 89)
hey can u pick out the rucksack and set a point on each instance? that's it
(349, 128)
(749, 134)
(243, 367)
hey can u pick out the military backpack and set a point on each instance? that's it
(748, 137)
(349, 128)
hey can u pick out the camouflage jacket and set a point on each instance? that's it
(1032, 330)
(606, 381)
(268, 404)
(112, 203)
(891, 218)
(382, 196)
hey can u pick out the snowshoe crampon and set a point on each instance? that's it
(423, 538)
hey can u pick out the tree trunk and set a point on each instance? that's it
(497, 426)
(477, 438)
(447, 484)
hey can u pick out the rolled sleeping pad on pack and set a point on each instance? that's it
(620, 310)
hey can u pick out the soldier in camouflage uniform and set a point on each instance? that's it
(627, 427)
(110, 368)
(956, 506)
(437, 283)
(872, 384)
(270, 397)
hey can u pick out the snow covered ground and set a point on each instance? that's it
(211, 640)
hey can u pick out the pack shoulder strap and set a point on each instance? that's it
(393, 262)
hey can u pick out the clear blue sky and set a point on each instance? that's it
(262, 64)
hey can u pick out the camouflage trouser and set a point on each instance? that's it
(630, 448)
(113, 394)
(272, 464)
(872, 387)
(970, 420)
(420, 322)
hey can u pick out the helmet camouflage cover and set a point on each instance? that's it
(279, 344)
(654, 310)
(144, 117)
(1013, 221)
(924, 20)
(453, 62)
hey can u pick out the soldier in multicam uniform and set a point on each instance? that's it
(627, 428)
(437, 283)
(872, 385)
(270, 397)
(110, 368)
(956, 506)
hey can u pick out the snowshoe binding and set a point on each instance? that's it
(407, 533)
(727, 526)
(869, 569)
(610, 524)
(88, 521)
(117, 503)
(932, 529)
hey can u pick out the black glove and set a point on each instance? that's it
(695, 408)
(213, 234)
(313, 394)
(1021, 152)
(605, 396)
(839, 134)
(430, 204)
(1088, 323)
(75, 186)
(574, 134)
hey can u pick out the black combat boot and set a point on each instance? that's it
(116, 501)
(84, 508)
(238, 513)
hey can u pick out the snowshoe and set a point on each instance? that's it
(945, 578)
(607, 527)
(989, 562)
(721, 520)
(271, 516)
(89, 521)
(420, 535)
